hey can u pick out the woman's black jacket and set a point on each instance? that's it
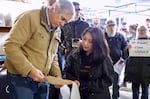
(100, 76)
(138, 69)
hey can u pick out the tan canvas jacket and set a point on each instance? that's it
(28, 45)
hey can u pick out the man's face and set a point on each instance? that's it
(148, 23)
(111, 28)
(60, 19)
(77, 11)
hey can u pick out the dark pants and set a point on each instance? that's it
(54, 92)
(135, 90)
(115, 91)
(25, 88)
(83, 89)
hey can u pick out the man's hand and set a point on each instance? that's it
(121, 60)
(58, 86)
(37, 75)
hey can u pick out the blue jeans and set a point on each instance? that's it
(25, 88)
(135, 90)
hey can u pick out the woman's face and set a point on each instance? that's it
(131, 30)
(87, 43)
(142, 33)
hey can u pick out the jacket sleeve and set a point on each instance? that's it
(108, 72)
(124, 48)
(55, 69)
(69, 70)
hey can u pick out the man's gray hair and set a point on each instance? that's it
(65, 6)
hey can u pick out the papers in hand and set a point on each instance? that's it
(57, 81)
(75, 92)
(118, 67)
(67, 94)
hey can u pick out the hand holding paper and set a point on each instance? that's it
(57, 81)
(118, 67)
(67, 94)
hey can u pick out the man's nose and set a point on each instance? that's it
(63, 23)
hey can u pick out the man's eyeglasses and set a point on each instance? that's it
(142, 30)
(77, 9)
(112, 25)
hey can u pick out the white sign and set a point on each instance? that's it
(140, 48)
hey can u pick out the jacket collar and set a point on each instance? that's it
(43, 18)
(78, 20)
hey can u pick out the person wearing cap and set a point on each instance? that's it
(137, 69)
(117, 45)
(31, 50)
(71, 32)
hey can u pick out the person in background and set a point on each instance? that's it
(132, 35)
(31, 50)
(2, 20)
(117, 44)
(71, 32)
(148, 26)
(123, 29)
(137, 70)
(96, 22)
(90, 65)
(132, 32)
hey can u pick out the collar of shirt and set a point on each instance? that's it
(48, 21)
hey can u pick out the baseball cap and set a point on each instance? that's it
(110, 22)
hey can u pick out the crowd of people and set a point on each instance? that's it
(56, 40)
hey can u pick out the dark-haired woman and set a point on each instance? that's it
(90, 66)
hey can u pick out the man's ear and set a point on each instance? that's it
(55, 8)
(52, 2)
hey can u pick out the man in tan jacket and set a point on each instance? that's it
(31, 49)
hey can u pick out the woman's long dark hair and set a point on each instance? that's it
(100, 47)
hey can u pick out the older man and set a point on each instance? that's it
(117, 45)
(31, 49)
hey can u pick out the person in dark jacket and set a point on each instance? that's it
(71, 32)
(90, 65)
(117, 44)
(137, 69)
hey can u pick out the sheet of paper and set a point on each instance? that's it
(57, 81)
(65, 92)
(75, 94)
(118, 67)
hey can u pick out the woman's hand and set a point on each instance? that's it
(129, 46)
(77, 82)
